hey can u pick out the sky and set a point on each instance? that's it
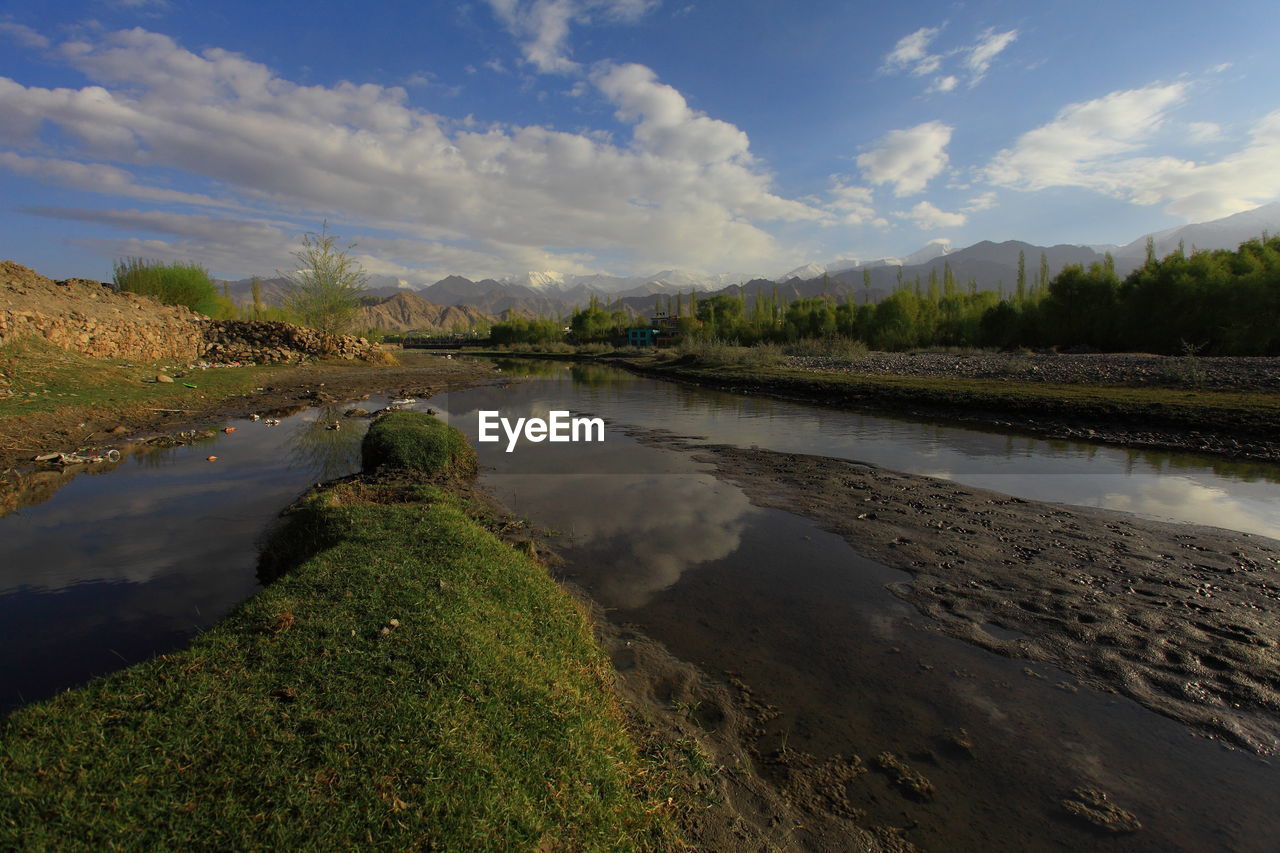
(496, 137)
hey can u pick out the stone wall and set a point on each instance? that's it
(265, 342)
(92, 318)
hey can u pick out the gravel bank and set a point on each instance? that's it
(1261, 374)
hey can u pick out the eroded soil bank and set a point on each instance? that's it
(1182, 619)
(1224, 409)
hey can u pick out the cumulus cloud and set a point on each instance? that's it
(542, 26)
(907, 159)
(928, 217)
(1097, 145)
(683, 190)
(1066, 150)
(852, 205)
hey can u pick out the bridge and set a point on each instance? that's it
(444, 343)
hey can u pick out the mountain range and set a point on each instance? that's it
(394, 303)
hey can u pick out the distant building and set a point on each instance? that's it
(646, 338)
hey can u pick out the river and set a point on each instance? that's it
(132, 562)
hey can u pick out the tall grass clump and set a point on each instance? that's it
(719, 352)
(185, 284)
(837, 347)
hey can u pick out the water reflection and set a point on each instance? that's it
(105, 566)
(1165, 486)
(326, 442)
(649, 529)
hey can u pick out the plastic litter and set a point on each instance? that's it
(404, 401)
(112, 455)
(188, 384)
(228, 430)
(211, 459)
(272, 422)
(255, 417)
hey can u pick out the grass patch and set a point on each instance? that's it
(47, 383)
(413, 683)
(418, 442)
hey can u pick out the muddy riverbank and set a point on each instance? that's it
(1182, 619)
(277, 388)
(1102, 401)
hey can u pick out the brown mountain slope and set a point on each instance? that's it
(408, 311)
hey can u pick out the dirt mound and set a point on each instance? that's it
(92, 318)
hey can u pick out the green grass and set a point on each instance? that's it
(481, 718)
(419, 442)
(60, 379)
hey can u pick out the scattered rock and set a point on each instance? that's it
(910, 782)
(1093, 805)
(160, 377)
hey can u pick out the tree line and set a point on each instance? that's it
(1218, 302)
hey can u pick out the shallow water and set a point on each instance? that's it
(809, 624)
(117, 564)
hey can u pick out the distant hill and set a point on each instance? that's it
(1225, 233)
(992, 266)
(407, 311)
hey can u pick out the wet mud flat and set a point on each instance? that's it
(1182, 619)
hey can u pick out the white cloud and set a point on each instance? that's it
(23, 35)
(979, 203)
(98, 177)
(928, 217)
(852, 205)
(1203, 131)
(542, 26)
(943, 84)
(909, 158)
(1097, 145)
(911, 53)
(989, 45)
(1067, 150)
(683, 190)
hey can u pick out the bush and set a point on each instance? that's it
(419, 442)
(185, 284)
(835, 347)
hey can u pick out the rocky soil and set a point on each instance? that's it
(274, 343)
(1063, 368)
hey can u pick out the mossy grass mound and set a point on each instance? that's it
(418, 442)
(411, 683)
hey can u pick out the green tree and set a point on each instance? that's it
(324, 293)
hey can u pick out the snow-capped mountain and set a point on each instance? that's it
(1225, 233)
(935, 249)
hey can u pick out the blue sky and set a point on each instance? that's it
(495, 137)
